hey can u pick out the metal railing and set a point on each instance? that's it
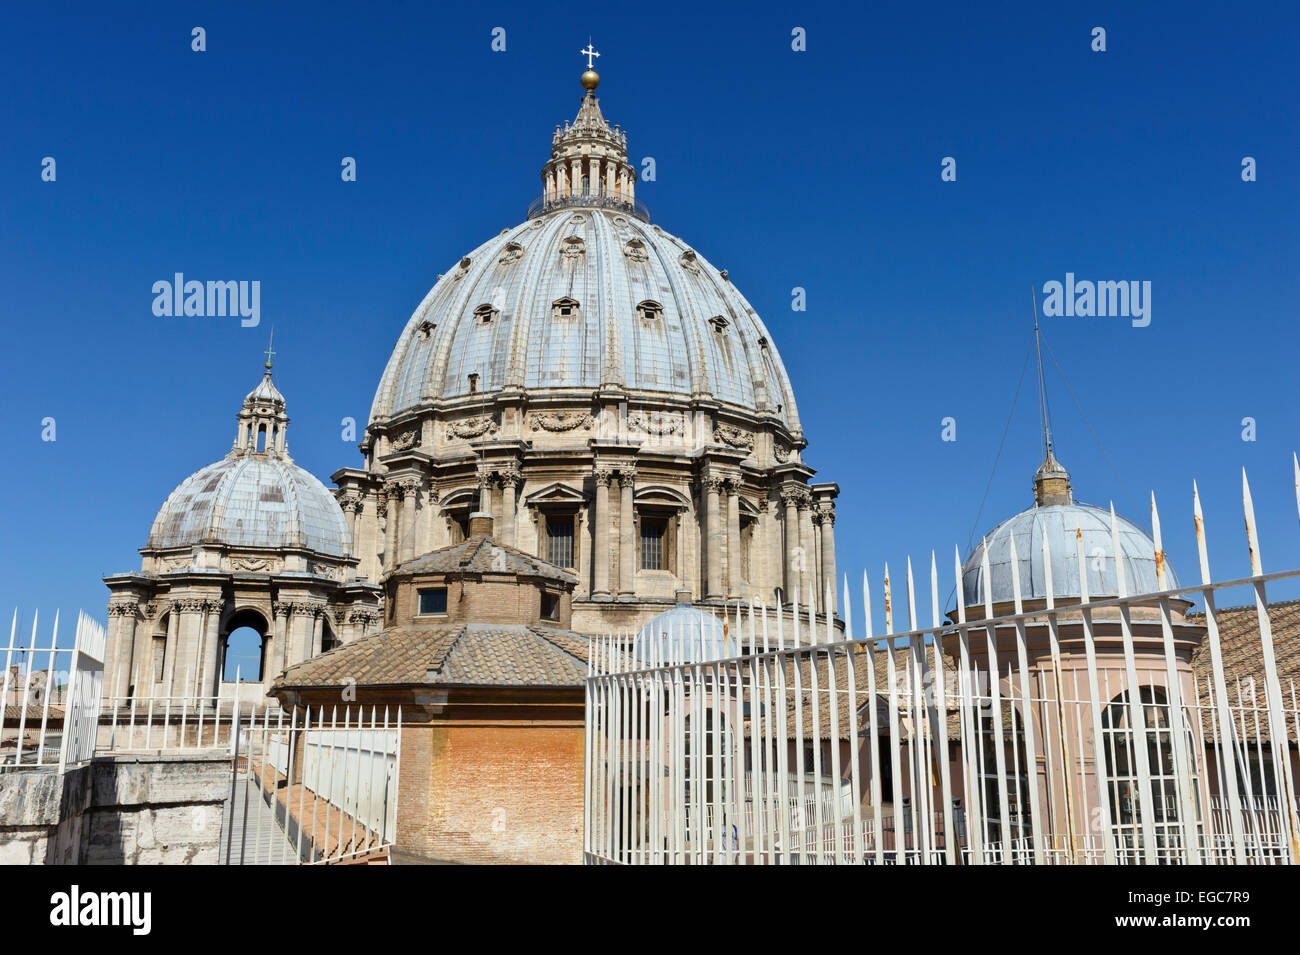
(49, 696)
(965, 741)
(542, 205)
(313, 786)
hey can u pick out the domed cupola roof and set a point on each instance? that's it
(685, 634)
(1057, 519)
(255, 496)
(587, 293)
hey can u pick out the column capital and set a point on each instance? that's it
(603, 476)
(123, 608)
(627, 476)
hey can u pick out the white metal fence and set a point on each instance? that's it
(313, 786)
(49, 696)
(1071, 731)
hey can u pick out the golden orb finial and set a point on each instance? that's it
(590, 79)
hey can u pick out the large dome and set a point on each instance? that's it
(252, 501)
(582, 297)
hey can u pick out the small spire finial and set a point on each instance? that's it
(270, 351)
(1052, 481)
(1042, 389)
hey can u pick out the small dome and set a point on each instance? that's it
(685, 634)
(1058, 524)
(255, 496)
(252, 500)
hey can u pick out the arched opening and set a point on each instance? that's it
(1122, 775)
(261, 438)
(243, 648)
(327, 639)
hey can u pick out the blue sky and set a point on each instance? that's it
(818, 169)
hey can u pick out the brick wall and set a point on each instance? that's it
(492, 791)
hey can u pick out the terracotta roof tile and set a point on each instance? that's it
(460, 654)
(483, 555)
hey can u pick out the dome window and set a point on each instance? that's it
(650, 310)
(566, 308)
(572, 249)
(473, 383)
(636, 251)
(719, 324)
(462, 269)
(690, 263)
(512, 252)
(426, 329)
(485, 313)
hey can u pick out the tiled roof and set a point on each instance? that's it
(483, 555)
(1243, 654)
(463, 654)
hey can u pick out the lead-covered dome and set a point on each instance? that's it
(255, 496)
(1057, 520)
(579, 298)
(585, 293)
(252, 500)
(684, 634)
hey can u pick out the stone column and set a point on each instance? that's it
(712, 539)
(212, 651)
(600, 551)
(142, 676)
(124, 616)
(807, 573)
(626, 535)
(826, 515)
(388, 510)
(510, 481)
(429, 527)
(172, 648)
(575, 177)
(790, 532)
(410, 490)
(317, 634)
(351, 504)
(485, 479)
(733, 539)
(283, 613)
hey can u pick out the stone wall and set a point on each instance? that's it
(117, 810)
(42, 815)
(156, 810)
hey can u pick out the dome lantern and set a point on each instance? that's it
(1052, 482)
(262, 421)
(588, 164)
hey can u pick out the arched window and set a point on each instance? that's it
(243, 648)
(1125, 796)
(485, 313)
